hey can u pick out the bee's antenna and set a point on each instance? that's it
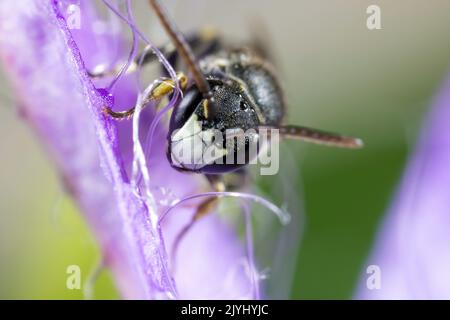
(319, 137)
(184, 50)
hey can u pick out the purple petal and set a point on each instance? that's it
(412, 250)
(47, 63)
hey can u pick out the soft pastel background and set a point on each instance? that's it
(337, 74)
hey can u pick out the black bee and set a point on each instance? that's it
(231, 89)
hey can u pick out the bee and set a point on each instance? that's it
(224, 88)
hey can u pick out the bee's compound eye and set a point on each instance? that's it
(184, 110)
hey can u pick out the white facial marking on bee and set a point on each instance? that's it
(192, 147)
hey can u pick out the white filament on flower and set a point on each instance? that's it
(282, 215)
(139, 166)
(139, 157)
(159, 115)
(134, 48)
(253, 272)
(139, 161)
(162, 59)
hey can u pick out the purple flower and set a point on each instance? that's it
(47, 48)
(413, 249)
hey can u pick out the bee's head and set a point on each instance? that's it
(213, 142)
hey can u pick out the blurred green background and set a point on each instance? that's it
(337, 75)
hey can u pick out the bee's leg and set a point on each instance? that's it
(219, 183)
(164, 88)
(202, 42)
(203, 209)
